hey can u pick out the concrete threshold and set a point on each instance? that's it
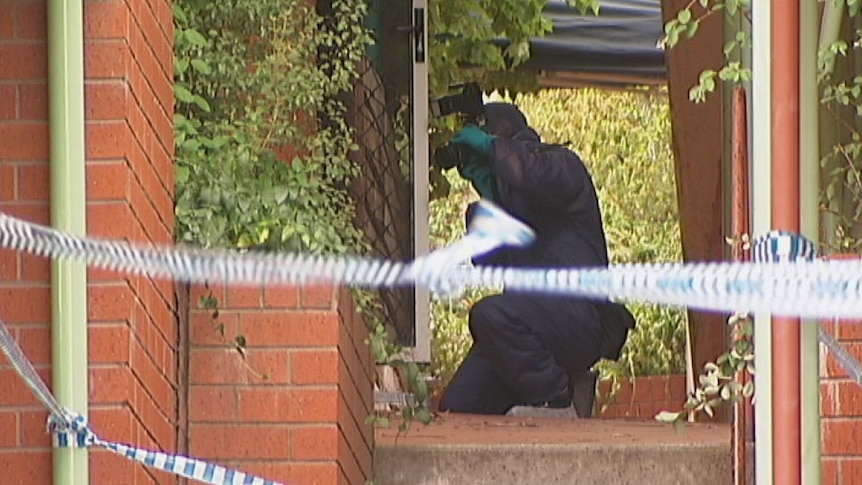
(543, 451)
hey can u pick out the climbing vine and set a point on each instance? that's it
(840, 87)
(262, 142)
(251, 86)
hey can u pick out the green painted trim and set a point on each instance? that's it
(809, 186)
(761, 205)
(68, 213)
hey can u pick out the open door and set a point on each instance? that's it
(388, 110)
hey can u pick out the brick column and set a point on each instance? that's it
(841, 407)
(129, 150)
(25, 294)
(292, 405)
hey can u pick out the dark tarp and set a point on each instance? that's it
(615, 48)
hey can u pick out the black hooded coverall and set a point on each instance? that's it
(526, 345)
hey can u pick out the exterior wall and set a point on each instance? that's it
(132, 322)
(841, 410)
(293, 408)
(304, 423)
(24, 453)
(642, 397)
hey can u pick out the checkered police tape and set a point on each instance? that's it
(805, 289)
(786, 279)
(787, 247)
(70, 429)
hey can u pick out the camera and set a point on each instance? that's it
(450, 156)
(468, 103)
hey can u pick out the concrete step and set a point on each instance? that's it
(544, 451)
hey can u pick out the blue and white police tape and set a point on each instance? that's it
(70, 429)
(786, 280)
(490, 228)
(434, 270)
(789, 247)
(805, 289)
(25, 369)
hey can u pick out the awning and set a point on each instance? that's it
(616, 48)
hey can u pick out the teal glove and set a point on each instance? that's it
(475, 138)
(480, 176)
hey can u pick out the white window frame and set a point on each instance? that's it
(421, 351)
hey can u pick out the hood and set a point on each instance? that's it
(507, 120)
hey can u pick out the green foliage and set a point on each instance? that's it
(462, 49)
(385, 351)
(461, 36)
(254, 79)
(686, 24)
(719, 383)
(841, 170)
(262, 141)
(624, 138)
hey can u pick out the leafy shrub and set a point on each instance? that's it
(253, 78)
(624, 138)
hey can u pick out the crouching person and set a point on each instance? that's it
(532, 349)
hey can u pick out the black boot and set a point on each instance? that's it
(584, 393)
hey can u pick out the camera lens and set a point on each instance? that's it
(448, 156)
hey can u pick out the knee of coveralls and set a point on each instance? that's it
(483, 317)
(515, 349)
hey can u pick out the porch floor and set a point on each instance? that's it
(499, 450)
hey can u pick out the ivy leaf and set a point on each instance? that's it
(668, 417)
(732, 7)
(423, 415)
(200, 66)
(182, 175)
(181, 66)
(202, 103)
(280, 194)
(691, 30)
(183, 94)
(194, 37)
(684, 16)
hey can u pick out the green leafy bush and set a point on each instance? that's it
(624, 138)
(254, 78)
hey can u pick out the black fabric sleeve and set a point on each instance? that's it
(554, 174)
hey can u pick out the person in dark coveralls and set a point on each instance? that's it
(532, 349)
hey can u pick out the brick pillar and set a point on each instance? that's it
(841, 408)
(293, 408)
(25, 295)
(129, 149)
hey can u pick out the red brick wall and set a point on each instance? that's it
(841, 410)
(294, 408)
(24, 453)
(129, 150)
(642, 397)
